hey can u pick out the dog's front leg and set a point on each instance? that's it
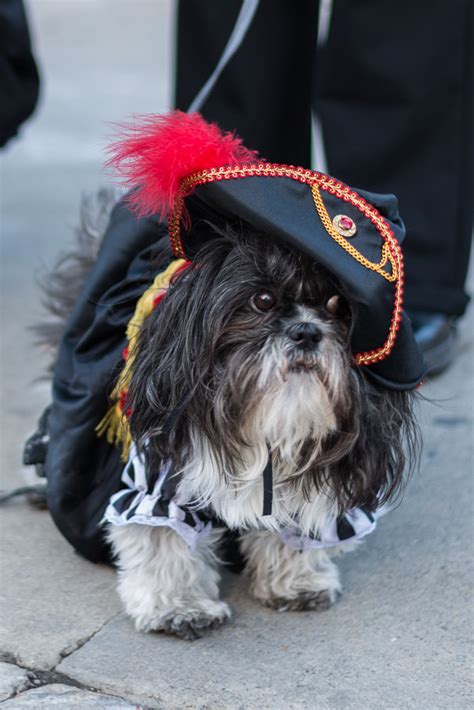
(163, 584)
(288, 579)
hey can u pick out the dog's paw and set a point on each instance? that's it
(305, 601)
(191, 625)
(188, 623)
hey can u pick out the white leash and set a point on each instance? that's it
(245, 17)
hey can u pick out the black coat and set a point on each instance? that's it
(82, 469)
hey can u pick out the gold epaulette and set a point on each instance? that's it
(115, 423)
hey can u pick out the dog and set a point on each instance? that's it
(245, 406)
(256, 337)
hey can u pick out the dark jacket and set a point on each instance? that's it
(82, 469)
(19, 79)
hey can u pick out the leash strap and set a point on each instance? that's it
(244, 19)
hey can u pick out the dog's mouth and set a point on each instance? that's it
(283, 362)
(299, 364)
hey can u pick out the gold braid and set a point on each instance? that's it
(115, 423)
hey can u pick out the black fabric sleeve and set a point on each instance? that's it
(84, 470)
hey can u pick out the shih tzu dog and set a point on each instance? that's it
(268, 385)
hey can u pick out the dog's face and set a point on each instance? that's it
(280, 344)
(283, 315)
(251, 349)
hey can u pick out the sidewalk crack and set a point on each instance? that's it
(40, 679)
(76, 645)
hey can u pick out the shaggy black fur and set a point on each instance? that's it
(198, 358)
(199, 361)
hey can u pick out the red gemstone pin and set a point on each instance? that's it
(344, 225)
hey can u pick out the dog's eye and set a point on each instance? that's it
(263, 301)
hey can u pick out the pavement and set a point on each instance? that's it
(400, 635)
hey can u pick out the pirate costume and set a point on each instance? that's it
(147, 499)
(187, 171)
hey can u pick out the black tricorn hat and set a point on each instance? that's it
(182, 167)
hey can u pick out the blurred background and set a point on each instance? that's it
(99, 62)
(399, 638)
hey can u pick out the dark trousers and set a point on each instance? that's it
(19, 79)
(393, 88)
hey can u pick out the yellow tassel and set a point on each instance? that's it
(115, 425)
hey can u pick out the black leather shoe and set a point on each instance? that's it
(435, 334)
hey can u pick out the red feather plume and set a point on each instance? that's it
(156, 152)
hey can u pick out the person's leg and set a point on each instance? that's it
(264, 93)
(395, 101)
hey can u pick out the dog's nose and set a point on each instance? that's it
(306, 335)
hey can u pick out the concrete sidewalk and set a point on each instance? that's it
(399, 636)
